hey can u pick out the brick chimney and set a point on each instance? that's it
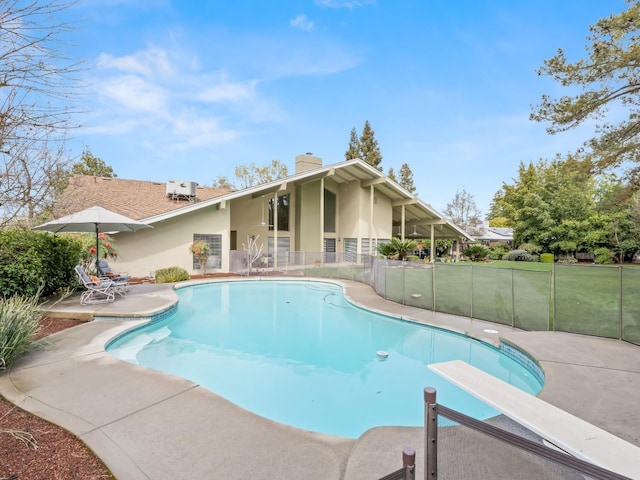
(307, 162)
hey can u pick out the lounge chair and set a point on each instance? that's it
(97, 290)
(122, 279)
(105, 271)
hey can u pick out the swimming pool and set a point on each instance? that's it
(299, 353)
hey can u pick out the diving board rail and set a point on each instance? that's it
(562, 429)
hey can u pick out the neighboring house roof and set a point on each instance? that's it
(137, 199)
(494, 234)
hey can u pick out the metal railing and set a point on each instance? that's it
(433, 410)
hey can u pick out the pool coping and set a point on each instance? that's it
(583, 374)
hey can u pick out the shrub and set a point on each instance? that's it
(603, 256)
(518, 256)
(498, 250)
(171, 274)
(530, 248)
(567, 259)
(19, 318)
(476, 253)
(546, 258)
(34, 263)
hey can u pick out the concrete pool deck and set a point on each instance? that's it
(149, 425)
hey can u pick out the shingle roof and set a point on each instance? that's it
(135, 199)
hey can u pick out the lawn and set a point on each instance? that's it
(590, 299)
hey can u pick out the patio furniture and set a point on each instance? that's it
(97, 290)
(122, 279)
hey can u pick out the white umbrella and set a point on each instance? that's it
(94, 219)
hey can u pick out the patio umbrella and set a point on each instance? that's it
(94, 219)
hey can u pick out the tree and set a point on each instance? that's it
(369, 149)
(365, 148)
(37, 79)
(252, 175)
(353, 151)
(608, 80)
(406, 179)
(92, 165)
(222, 182)
(391, 175)
(463, 211)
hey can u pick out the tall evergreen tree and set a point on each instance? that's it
(354, 146)
(406, 178)
(369, 149)
(392, 175)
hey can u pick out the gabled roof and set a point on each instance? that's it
(135, 199)
(416, 212)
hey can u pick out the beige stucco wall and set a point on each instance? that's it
(247, 215)
(167, 244)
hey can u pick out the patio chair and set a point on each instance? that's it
(122, 279)
(97, 290)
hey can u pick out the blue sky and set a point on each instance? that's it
(187, 90)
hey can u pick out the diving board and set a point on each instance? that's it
(568, 432)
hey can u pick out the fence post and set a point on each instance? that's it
(621, 306)
(409, 463)
(430, 434)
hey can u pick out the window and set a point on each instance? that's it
(329, 250)
(350, 246)
(283, 213)
(329, 212)
(215, 249)
(283, 251)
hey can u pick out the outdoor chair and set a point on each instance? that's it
(122, 279)
(97, 290)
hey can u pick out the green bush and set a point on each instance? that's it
(19, 317)
(603, 256)
(498, 250)
(171, 274)
(518, 256)
(546, 258)
(530, 248)
(567, 259)
(36, 262)
(476, 253)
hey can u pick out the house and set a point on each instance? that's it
(346, 209)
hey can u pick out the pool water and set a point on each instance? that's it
(300, 354)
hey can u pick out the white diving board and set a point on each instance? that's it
(568, 432)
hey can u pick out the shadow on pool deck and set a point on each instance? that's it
(149, 425)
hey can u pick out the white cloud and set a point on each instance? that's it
(301, 22)
(152, 62)
(228, 92)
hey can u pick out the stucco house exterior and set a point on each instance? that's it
(345, 209)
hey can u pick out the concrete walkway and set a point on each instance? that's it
(150, 425)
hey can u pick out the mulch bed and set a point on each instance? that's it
(40, 450)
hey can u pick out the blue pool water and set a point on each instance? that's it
(300, 354)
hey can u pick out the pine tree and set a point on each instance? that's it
(369, 149)
(354, 146)
(406, 179)
(392, 175)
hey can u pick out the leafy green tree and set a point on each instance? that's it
(89, 164)
(353, 151)
(464, 212)
(406, 178)
(252, 175)
(607, 79)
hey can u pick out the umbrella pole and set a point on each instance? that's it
(97, 252)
